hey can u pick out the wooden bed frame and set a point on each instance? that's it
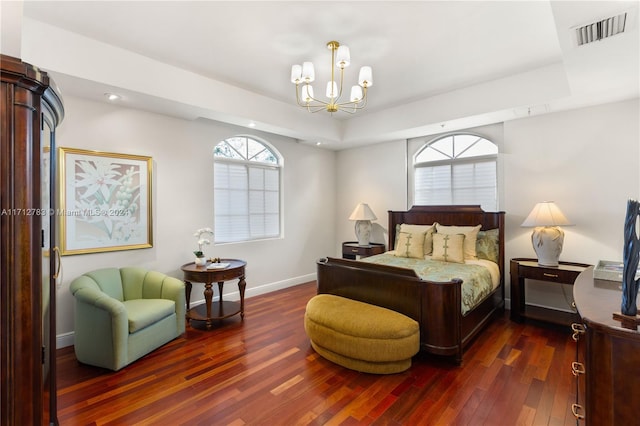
(435, 305)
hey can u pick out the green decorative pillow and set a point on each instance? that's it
(410, 244)
(488, 246)
(448, 247)
(470, 236)
(428, 232)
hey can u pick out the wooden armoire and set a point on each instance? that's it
(30, 110)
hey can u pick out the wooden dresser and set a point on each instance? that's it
(608, 364)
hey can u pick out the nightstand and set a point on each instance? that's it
(351, 249)
(521, 269)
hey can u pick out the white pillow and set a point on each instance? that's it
(410, 244)
(470, 237)
(448, 247)
(428, 231)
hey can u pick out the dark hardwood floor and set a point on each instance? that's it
(262, 371)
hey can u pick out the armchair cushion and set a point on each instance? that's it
(144, 312)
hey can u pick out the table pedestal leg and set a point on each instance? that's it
(242, 284)
(220, 286)
(187, 293)
(208, 296)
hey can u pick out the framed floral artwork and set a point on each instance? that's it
(105, 201)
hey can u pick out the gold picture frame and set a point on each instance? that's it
(105, 201)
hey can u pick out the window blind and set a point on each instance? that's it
(457, 183)
(246, 202)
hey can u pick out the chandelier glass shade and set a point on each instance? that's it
(303, 75)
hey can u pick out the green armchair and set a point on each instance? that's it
(123, 314)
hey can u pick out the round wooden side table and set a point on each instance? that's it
(222, 309)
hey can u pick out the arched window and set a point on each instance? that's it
(246, 182)
(457, 169)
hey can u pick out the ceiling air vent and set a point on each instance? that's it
(599, 30)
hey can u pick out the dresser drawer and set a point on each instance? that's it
(351, 249)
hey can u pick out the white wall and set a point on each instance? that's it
(375, 175)
(587, 160)
(183, 200)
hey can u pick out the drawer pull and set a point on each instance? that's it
(550, 275)
(575, 408)
(577, 368)
(354, 250)
(578, 329)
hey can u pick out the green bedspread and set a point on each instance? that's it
(476, 279)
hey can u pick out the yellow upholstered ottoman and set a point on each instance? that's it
(361, 336)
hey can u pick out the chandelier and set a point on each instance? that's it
(303, 75)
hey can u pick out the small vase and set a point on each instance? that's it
(201, 261)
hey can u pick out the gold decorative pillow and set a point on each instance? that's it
(410, 244)
(428, 236)
(470, 237)
(448, 247)
(488, 245)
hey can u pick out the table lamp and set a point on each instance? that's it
(363, 215)
(547, 237)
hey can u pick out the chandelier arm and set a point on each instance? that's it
(309, 104)
(354, 105)
(322, 103)
(340, 89)
(346, 106)
(363, 101)
(302, 104)
(298, 95)
(348, 111)
(314, 108)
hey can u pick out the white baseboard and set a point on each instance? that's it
(64, 340)
(263, 289)
(67, 339)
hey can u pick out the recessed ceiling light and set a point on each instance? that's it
(112, 96)
(318, 143)
(252, 124)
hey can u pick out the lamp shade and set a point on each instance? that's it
(307, 93)
(365, 78)
(308, 73)
(546, 213)
(343, 57)
(362, 212)
(332, 89)
(296, 73)
(356, 94)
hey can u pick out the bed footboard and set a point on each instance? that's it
(436, 306)
(391, 287)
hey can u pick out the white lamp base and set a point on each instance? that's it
(363, 232)
(547, 242)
